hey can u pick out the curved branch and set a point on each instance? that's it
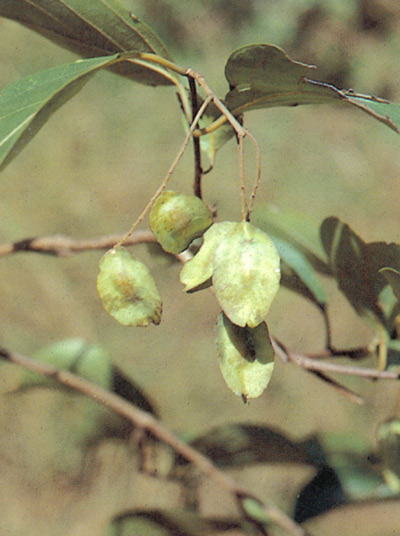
(146, 421)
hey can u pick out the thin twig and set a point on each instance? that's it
(242, 179)
(172, 168)
(258, 177)
(198, 170)
(149, 423)
(313, 364)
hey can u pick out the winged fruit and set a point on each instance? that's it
(127, 289)
(246, 357)
(176, 219)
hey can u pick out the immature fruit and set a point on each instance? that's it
(246, 274)
(176, 219)
(199, 269)
(246, 357)
(127, 289)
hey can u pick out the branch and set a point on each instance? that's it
(316, 365)
(198, 170)
(61, 245)
(147, 422)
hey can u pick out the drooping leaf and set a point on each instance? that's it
(246, 274)
(356, 265)
(236, 445)
(307, 282)
(27, 104)
(94, 364)
(176, 219)
(169, 523)
(322, 493)
(246, 357)
(264, 76)
(127, 289)
(92, 28)
(298, 229)
(199, 269)
(85, 359)
(76, 420)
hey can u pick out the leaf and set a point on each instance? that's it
(246, 357)
(307, 282)
(246, 274)
(27, 104)
(236, 445)
(92, 28)
(87, 360)
(298, 229)
(356, 265)
(127, 289)
(199, 269)
(322, 493)
(264, 76)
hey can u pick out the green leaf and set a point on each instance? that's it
(27, 104)
(246, 274)
(127, 289)
(87, 360)
(246, 357)
(303, 269)
(356, 265)
(385, 111)
(298, 229)
(264, 76)
(199, 269)
(92, 28)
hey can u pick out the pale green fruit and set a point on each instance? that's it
(199, 269)
(388, 436)
(127, 289)
(246, 274)
(246, 357)
(176, 219)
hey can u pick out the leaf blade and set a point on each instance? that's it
(92, 28)
(264, 76)
(28, 103)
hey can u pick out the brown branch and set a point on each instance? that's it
(316, 365)
(198, 170)
(61, 245)
(147, 422)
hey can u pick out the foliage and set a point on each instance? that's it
(242, 262)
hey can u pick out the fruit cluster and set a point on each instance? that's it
(240, 262)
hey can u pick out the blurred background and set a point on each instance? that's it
(90, 171)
